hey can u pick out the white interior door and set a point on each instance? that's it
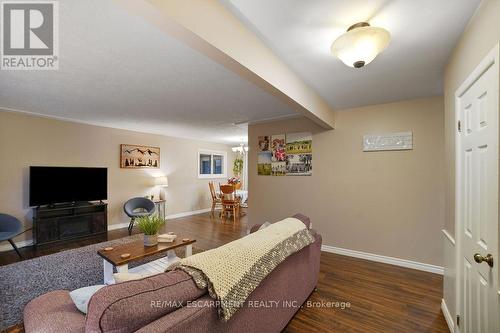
(477, 206)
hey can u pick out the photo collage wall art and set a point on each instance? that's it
(285, 155)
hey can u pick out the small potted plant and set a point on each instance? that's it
(238, 166)
(150, 226)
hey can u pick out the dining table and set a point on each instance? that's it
(243, 194)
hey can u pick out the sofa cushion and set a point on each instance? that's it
(264, 225)
(53, 312)
(81, 296)
(127, 306)
(298, 216)
(124, 277)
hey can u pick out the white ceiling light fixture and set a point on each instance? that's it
(240, 149)
(360, 44)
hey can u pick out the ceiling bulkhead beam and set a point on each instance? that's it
(210, 28)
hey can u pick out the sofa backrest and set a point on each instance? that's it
(286, 288)
(306, 220)
(128, 306)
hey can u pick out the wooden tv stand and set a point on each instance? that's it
(69, 221)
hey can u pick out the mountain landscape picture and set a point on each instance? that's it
(134, 156)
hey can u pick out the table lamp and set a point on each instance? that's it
(161, 182)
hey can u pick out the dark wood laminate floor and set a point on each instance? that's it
(382, 298)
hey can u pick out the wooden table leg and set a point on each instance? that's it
(189, 250)
(122, 268)
(171, 255)
(108, 271)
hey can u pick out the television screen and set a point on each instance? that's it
(51, 185)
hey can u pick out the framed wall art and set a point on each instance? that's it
(299, 154)
(135, 157)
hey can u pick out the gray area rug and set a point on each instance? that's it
(23, 281)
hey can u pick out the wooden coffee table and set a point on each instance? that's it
(137, 250)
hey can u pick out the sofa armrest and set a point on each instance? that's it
(317, 236)
(53, 312)
(306, 220)
(126, 307)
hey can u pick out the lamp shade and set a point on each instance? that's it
(161, 181)
(360, 44)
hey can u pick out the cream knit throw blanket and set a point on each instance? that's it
(231, 272)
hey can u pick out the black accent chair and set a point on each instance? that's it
(10, 227)
(138, 207)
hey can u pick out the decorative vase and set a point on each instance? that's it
(150, 240)
(237, 186)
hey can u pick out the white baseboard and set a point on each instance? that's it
(447, 316)
(383, 259)
(168, 217)
(8, 247)
(5, 246)
(194, 212)
(118, 226)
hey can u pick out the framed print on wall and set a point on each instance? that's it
(299, 154)
(264, 144)
(264, 163)
(278, 159)
(139, 157)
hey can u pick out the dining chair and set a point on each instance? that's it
(216, 198)
(230, 201)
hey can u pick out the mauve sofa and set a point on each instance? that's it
(152, 304)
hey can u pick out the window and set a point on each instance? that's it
(205, 161)
(218, 159)
(212, 164)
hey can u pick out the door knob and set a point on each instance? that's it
(488, 259)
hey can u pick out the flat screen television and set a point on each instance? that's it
(52, 185)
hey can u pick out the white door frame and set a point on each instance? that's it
(491, 59)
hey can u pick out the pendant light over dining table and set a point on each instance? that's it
(360, 44)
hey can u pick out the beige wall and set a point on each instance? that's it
(28, 140)
(480, 36)
(386, 203)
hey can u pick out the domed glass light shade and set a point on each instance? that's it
(360, 44)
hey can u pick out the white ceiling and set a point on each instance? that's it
(117, 70)
(301, 32)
